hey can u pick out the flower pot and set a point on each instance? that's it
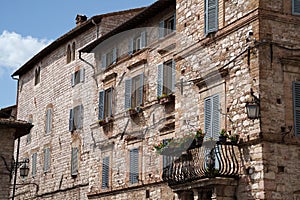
(222, 139)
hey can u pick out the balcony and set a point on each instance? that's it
(210, 160)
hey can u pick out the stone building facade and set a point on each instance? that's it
(174, 68)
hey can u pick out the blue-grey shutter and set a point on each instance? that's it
(128, 85)
(296, 101)
(74, 161)
(134, 166)
(211, 16)
(208, 118)
(216, 116)
(173, 75)
(46, 159)
(130, 46)
(33, 167)
(160, 76)
(103, 60)
(81, 75)
(48, 120)
(161, 29)
(114, 58)
(73, 79)
(111, 102)
(143, 39)
(174, 21)
(141, 89)
(101, 105)
(105, 173)
(71, 120)
(296, 6)
(166, 158)
(80, 117)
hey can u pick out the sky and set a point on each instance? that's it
(27, 26)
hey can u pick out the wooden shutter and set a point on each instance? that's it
(111, 102)
(105, 173)
(114, 56)
(130, 46)
(212, 117)
(74, 161)
(143, 39)
(103, 60)
(174, 21)
(46, 159)
(160, 75)
(73, 79)
(296, 101)
(161, 29)
(141, 89)
(80, 117)
(48, 120)
(216, 116)
(296, 6)
(134, 166)
(33, 167)
(211, 16)
(101, 105)
(71, 120)
(128, 85)
(173, 85)
(207, 118)
(82, 75)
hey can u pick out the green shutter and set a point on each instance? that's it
(160, 75)
(296, 6)
(105, 173)
(211, 16)
(134, 166)
(296, 101)
(34, 162)
(161, 29)
(101, 105)
(208, 118)
(128, 85)
(74, 161)
(71, 120)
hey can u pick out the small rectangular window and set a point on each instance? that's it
(37, 76)
(33, 166)
(138, 42)
(167, 26)
(48, 120)
(134, 88)
(296, 102)
(76, 118)
(74, 161)
(105, 103)
(109, 58)
(166, 78)
(78, 77)
(105, 172)
(296, 7)
(134, 166)
(46, 159)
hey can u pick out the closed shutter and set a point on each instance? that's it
(134, 166)
(34, 161)
(71, 120)
(211, 16)
(207, 118)
(80, 117)
(141, 89)
(161, 29)
(46, 159)
(173, 76)
(160, 75)
(81, 75)
(296, 100)
(101, 105)
(216, 116)
(110, 108)
(143, 39)
(73, 79)
(105, 173)
(296, 6)
(174, 21)
(128, 85)
(212, 117)
(130, 46)
(103, 60)
(114, 58)
(74, 161)
(48, 120)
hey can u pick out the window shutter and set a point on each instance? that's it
(48, 120)
(103, 60)
(101, 105)
(130, 46)
(114, 56)
(216, 116)
(211, 16)
(141, 89)
(71, 120)
(173, 76)
(80, 117)
(174, 21)
(134, 166)
(82, 74)
(207, 118)
(74, 161)
(296, 6)
(160, 75)
(161, 29)
(105, 172)
(143, 39)
(34, 161)
(46, 159)
(73, 79)
(296, 100)
(111, 101)
(128, 85)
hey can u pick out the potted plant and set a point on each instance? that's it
(199, 137)
(164, 98)
(234, 138)
(103, 122)
(223, 136)
(133, 111)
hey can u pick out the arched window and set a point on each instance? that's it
(73, 51)
(68, 54)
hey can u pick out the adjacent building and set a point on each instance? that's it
(119, 111)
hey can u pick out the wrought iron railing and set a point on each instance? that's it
(212, 159)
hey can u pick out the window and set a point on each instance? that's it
(105, 172)
(296, 101)
(211, 16)
(46, 159)
(75, 119)
(48, 120)
(109, 58)
(77, 77)
(73, 51)
(68, 54)
(296, 6)
(138, 42)
(166, 78)
(33, 162)
(28, 138)
(167, 161)
(37, 76)
(134, 91)
(74, 161)
(105, 103)
(134, 166)
(212, 116)
(167, 26)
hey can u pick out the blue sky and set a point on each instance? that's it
(27, 26)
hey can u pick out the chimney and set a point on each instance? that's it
(80, 19)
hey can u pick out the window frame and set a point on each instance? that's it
(164, 26)
(74, 161)
(296, 8)
(48, 121)
(166, 78)
(296, 106)
(76, 118)
(137, 43)
(105, 104)
(37, 75)
(47, 160)
(209, 13)
(134, 167)
(212, 117)
(109, 58)
(105, 172)
(134, 94)
(34, 164)
(78, 77)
